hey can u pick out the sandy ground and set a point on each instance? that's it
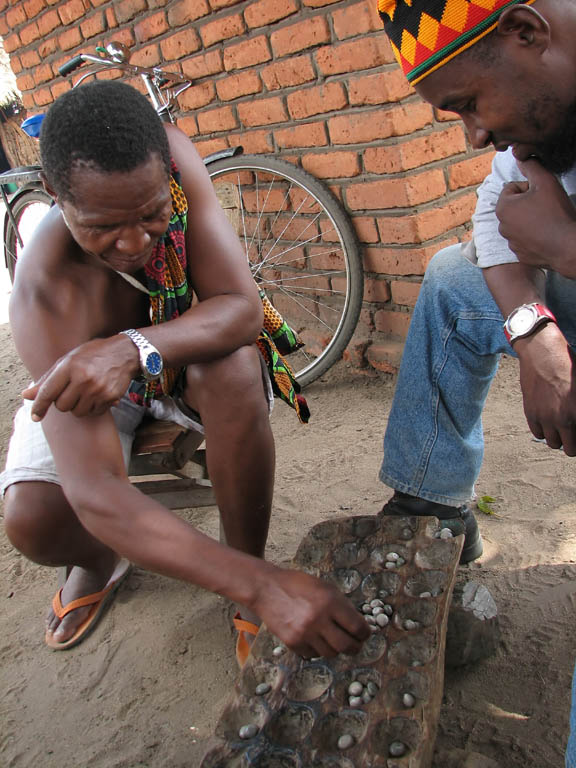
(147, 687)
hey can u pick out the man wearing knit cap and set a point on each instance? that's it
(509, 70)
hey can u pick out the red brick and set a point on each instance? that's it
(150, 27)
(126, 10)
(185, 11)
(318, 100)
(365, 53)
(123, 35)
(153, 4)
(197, 96)
(426, 224)
(43, 97)
(212, 145)
(179, 45)
(471, 171)
(28, 101)
(254, 142)
(71, 11)
(397, 192)
(16, 16)
(216, 120)
(93, 25)
(247, 54)
(47, 47)
(394, 324)
(376, 290)
(149, 56)
(15, 65)
(29, 34)
(12, 42)
(332, 165)
(354, 353)
(357, 19)
(69, 39)
(59, 87)
(404, 293)
(283, 74)
(379, 124)
(222, 29)
(111, 19)
(33, 8)
(236, 86)
(402, 261)
(204, 65)
(43, 74)
(4, 28)
(318, 3)
(188, 124)
(366, 229)
(216, 4)
(95, 3)
(382, 88)
(386, 356)
(262, 112)
(298, 37)
(405, 155)
(445, 117)
(25, 82)
(28, 59)
(306, 135)
(263, 12)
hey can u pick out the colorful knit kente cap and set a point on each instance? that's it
(425, 34)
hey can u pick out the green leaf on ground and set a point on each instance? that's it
(484, 504)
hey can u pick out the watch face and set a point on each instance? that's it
(154, 364)
(522, 321)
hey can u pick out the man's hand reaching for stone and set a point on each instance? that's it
(88, 380)
(539, 220)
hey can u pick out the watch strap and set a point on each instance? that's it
(145, 348)
(543, 315)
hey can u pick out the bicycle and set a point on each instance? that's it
(297, 238)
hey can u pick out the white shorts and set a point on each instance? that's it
(29, 457)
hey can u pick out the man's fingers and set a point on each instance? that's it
(31, 390)
(533, 170)
(514, 188)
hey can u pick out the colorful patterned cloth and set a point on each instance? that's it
(425, 34)
(170, 296)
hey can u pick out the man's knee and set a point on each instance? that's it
(234, 381)
(27, 520)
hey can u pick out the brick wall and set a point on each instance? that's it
(313, 81)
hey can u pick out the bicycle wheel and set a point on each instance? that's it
(28, 210)
(302, 251)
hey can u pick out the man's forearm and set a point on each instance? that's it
(514, 284)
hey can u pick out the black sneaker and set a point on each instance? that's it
(457, 519)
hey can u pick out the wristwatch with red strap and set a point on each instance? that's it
(524, 320)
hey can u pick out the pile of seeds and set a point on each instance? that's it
(359, 694)
(377, 613)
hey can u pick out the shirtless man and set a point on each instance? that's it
(107, 163)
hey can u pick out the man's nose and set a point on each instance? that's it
(479, 137)
(133, 240)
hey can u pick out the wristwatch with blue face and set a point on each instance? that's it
(151, 362)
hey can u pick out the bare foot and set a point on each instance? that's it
(80, 582)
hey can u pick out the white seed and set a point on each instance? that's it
(408, 700)
(373, 628)
(248, 731)
(446, 533)
(279, 650)
(410, 625)
(355, 701)
(388, 610)
(355, 688)
(390, 565)
(345, 741)
(382, 620)
(366, 608)
(400, 561)
(372, 688)
(366, 697)
(397, 749)
(376, 603)
(392, 556)
(417, 663)
(370, 619)
(262, 689)
(377, 611)
(425, 594)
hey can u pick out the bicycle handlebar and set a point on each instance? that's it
(158, 74)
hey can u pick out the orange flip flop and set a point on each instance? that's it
(243, 646)
(98, 601)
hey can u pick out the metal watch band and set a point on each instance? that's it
(146, 351)
(541, 315)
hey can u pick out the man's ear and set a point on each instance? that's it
(526, 24)
(47, 186)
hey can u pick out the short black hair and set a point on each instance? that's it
(107, 125)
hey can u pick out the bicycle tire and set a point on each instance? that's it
(28, 207)
(280, 209)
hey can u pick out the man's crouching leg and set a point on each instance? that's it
(41, 524)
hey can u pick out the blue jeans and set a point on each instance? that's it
(434, 444)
